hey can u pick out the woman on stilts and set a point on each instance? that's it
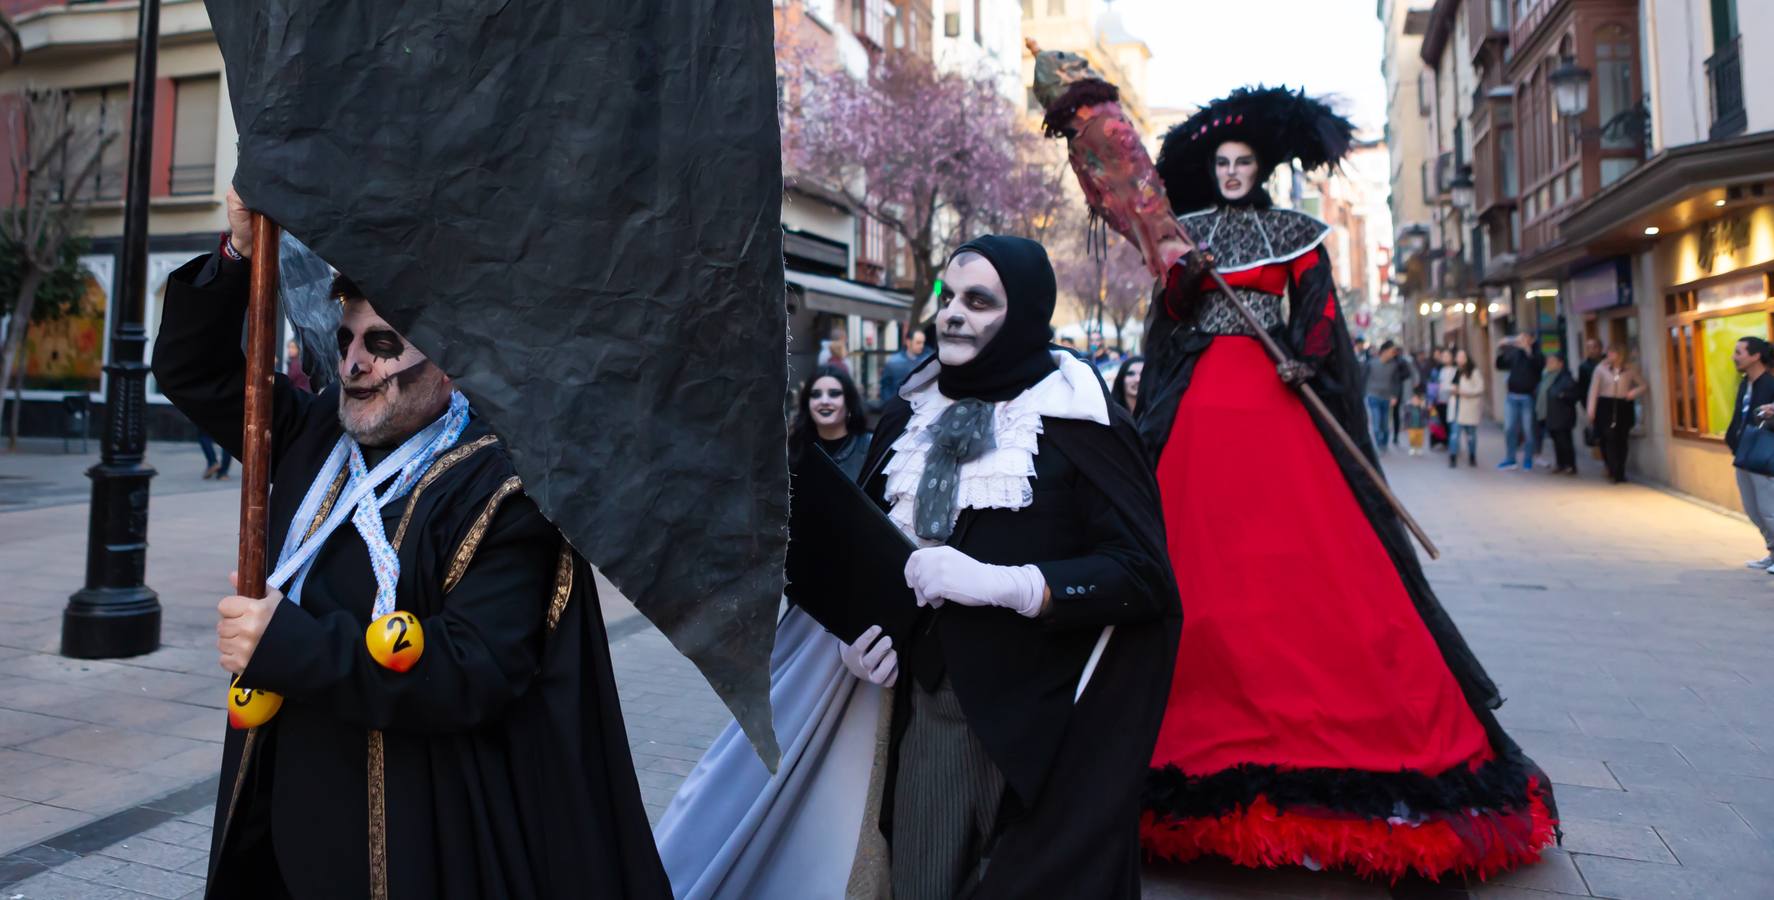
(1325, 711)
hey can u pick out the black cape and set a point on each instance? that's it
(1172, 348)
(1077, 769)
(505, 769)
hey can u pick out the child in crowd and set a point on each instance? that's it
(1416, 420)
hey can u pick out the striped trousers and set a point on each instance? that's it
(945, 801)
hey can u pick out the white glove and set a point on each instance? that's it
(936, 574)
(878, 664)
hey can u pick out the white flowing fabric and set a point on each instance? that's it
(734, 831)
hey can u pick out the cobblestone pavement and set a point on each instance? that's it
(1635, 649)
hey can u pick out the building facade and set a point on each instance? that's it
(1621, 180)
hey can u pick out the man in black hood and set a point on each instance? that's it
(1030, 701)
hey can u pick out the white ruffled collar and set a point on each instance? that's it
(1072, 391)
(1001, 477)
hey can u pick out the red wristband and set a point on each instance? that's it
(228, 247)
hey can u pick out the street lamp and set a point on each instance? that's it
(116, 614)
(1570, 89)
(1464, 192)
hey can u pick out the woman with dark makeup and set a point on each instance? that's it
(1126, 389)
(1324, 709)
(830, 415)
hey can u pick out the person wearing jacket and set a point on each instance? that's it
(1753, 356)
(1522, 359)
(1612, 392)
(1556, 406)
(1463, 386)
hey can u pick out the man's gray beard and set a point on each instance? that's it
(403, 418)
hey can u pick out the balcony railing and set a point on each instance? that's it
(1724, 74)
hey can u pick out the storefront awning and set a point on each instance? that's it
(847, 298)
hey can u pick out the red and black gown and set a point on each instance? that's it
(1324, 709)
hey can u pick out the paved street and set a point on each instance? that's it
(1636, 652)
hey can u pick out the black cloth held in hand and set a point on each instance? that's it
(1016, 359)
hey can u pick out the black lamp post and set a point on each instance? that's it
(116, 614)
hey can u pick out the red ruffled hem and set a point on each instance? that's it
(1260, 836)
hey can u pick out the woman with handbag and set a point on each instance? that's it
(1752, 446)
(1611, 395)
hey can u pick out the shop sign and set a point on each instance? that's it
(1740, 291)
(1602, 286)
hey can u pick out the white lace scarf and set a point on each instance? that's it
(1001, 477)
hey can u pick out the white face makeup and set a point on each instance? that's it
(389, 390)
(1235, 169)
(1133, 380)
(973, 309)
(825, 403)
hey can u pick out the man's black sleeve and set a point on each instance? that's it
(198, 363)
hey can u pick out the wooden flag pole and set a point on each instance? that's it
(261, 365)
(1323, 414)
(248, 708)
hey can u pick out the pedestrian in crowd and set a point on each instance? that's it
(1592, 357)
(1612, 392)
(1520, 357)
(912, 351)
(1463, 384)
(1440, 361)
(830, 415)
(1127, 382)
(1556, 405)
(1405, 378)
(1755, 391)
(1361, 350)
(1416, 420)
(218, 459)
(838, 355)
(1382, 377)
(836, 344)
(292, 358)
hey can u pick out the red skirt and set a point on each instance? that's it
(1303, 659)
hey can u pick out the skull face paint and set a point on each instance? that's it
(388, 389)
(974, 307)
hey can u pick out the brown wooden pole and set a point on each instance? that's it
(1316, 405)
(261, 365)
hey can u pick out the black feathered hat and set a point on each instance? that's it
(1279, 124)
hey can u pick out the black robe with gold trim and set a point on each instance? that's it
(499, 765)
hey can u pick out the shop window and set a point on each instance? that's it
(951, 19)
(1703, 380)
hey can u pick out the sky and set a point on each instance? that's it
(1202, 49)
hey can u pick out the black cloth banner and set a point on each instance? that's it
(573, 206)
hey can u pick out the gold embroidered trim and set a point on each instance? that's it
(563, 586)
(326, 506)
(444, 464)
(477, 532)
(378, 821)
(377, 785)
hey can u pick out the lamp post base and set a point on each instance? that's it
(109, 623)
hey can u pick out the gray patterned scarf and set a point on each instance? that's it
(960, 434)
